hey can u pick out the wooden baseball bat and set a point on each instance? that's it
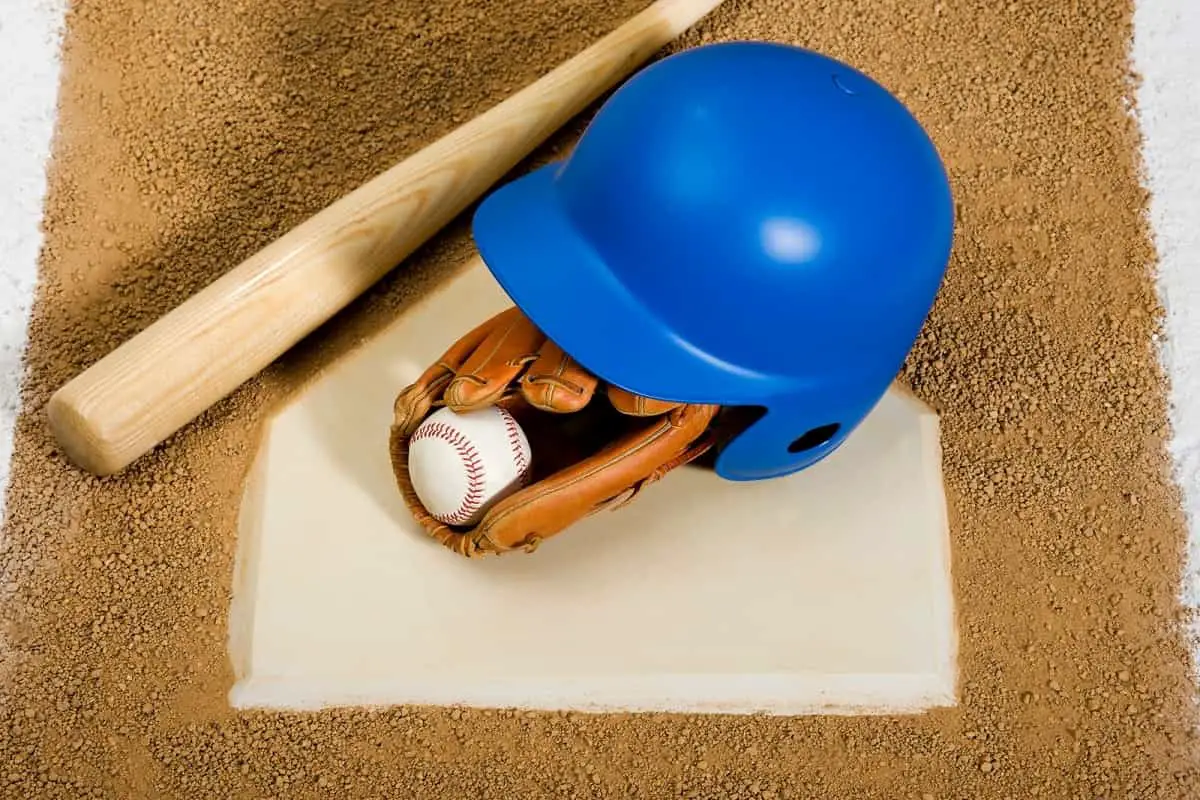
(144, 391)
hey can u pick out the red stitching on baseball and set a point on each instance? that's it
(472, 464)
(514, 442)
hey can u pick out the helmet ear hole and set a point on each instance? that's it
(813, 438)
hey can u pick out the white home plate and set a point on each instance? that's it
(825, 592)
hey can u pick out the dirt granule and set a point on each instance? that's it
(194, 132)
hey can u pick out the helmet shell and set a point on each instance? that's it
(746, 224)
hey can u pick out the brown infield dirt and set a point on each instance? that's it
(194, 132)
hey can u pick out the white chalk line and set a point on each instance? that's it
(1168, 111)
(30, 36)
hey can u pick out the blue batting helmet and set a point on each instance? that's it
(744, 224)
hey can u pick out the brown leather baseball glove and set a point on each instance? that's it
(594, 445)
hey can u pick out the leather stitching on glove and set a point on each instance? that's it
(595, 446)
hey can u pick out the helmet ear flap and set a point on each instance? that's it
(736, 419)
(814, 437)
(757, 442)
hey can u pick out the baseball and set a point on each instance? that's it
(461, 463)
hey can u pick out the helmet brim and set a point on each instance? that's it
(556, 278)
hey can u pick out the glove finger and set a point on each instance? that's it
(414, 401)
(556, 382)
(641, 455)
(635, 405)
(488, 372)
